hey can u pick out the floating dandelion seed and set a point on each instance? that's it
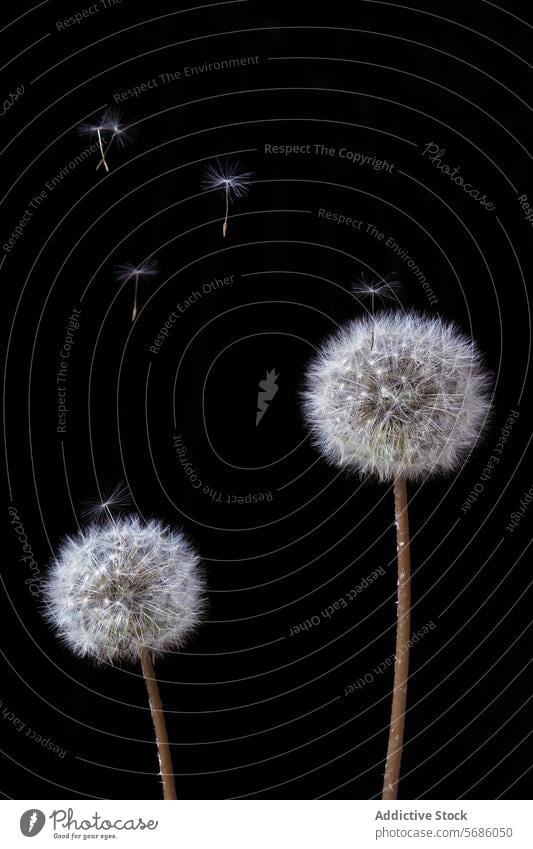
(381, 289)
(116, 500)
(127, 271)
(118, 131)
(96, 129)
(108, 130)
(127, 590)
(397, 396)
(229, 177)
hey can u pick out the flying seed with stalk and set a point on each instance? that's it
(228, 177)
(124, 589)
(399, 397)
(114, 500)
(380, 289)
(118, 134)
(108, 130)
(127, 271)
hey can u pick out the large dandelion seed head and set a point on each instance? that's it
(121, 587)
(400, 394)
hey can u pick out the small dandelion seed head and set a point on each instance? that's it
(121, 587)
(112, 124)
(90, 128)
(229, 177)
(381, 288)
(113, 501)
(127, 270)
(414, 400)
(109, 124)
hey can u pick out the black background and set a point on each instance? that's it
(253, 711)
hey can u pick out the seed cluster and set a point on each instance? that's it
(124, 586)
(398, 394)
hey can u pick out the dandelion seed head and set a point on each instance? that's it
(127, 270)
(115, 500)
(121, 587)
(414, 401)
(109, 124)
(91, 128)
(112, 123)
(229, 177)
(381, 288)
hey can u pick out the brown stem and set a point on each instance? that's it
(403, 635)
(158, 717)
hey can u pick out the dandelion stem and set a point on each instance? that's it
(225, 225)
(136, 290)
(403, 634)
(103, 160)
(161, 735)
(105, 152)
